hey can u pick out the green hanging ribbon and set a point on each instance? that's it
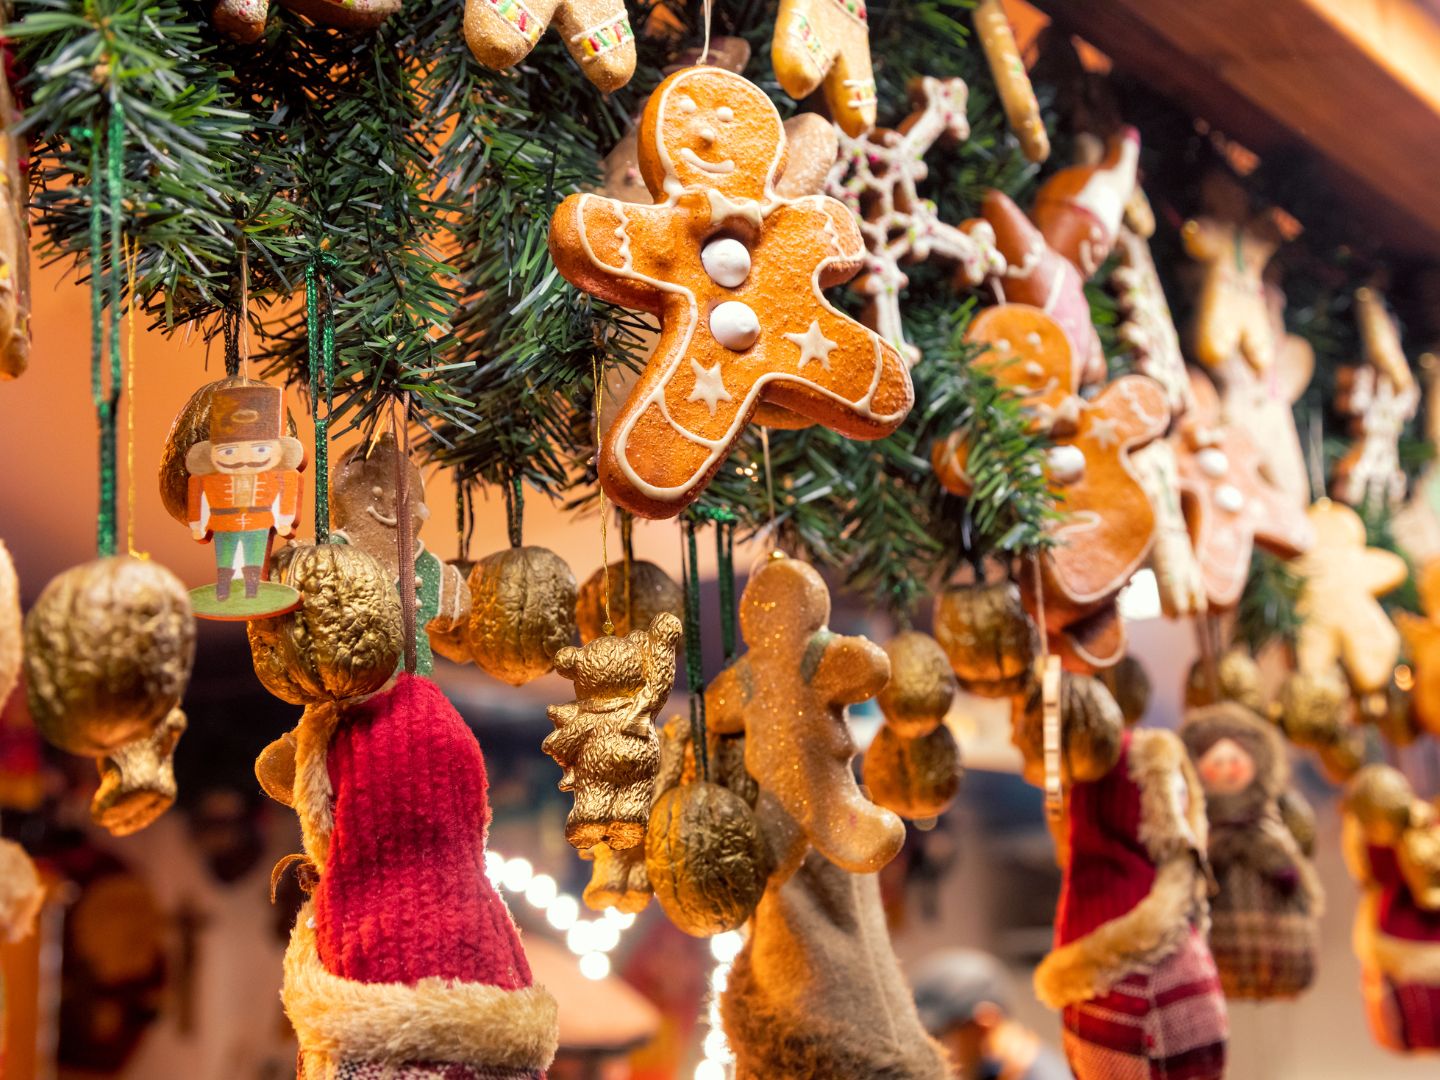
(694, 670)
(107, 186)
(320, 339)
(725, 521)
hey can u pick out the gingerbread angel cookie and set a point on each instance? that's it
(1380, 397)
(736, 275)
(501, 33)
(877, 176)
(1230, 504)
(826, 44)
(1107, 523)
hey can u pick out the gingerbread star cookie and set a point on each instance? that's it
(826, 43)
(501, 33)
(1342, 619)
(1380, 398)
(1230, 505)
(736, 275)
(1107, 523)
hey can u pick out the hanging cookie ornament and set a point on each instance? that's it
(1380, 397)
(825, 44)
(1230, 503)
(1416, 525)
(1012, 81)
(638, 590)
(1108, 523)
(14, 240)
(108, 650)
(1391, 841)
(343, 641)
(604, 741)
(522, 611)
(1178, 577)
(878, 176)
(11, 626)
(244, 487)
(597, 33)
(736, 275)
(1264, 918)
(1422, 643)
(1146, 325)
(912, 766)
(990, 641)
(365, 512)
(244, 20)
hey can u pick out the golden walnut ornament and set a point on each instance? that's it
(108, 650)
(633, 603)
(605, 741)
(702, 855)
(522, 612)
(345, 639)
(989, 639)
(921, 686)
(918, 777)
(1092, 728)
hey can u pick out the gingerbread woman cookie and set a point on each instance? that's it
(1380, 398)
(826, 43)
(1107, 523)
(1342, 619)
(877, 176)
(1230, 504)
(736, 274)
(501, 33)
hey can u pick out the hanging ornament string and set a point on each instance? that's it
(514, 508)
(705, 52)
(464, 518)
(405, 534)
(724, 520)
(771, 528)
(106, 180)
(132, 255)
(694, 670)
(609, 627)
(320, 339)
(627, 556)
(230, 324)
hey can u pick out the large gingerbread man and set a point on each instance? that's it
(826, 43)
(736, 275)
(1230, 503)
(1107, 523)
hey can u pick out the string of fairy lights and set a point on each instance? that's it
(593, 940)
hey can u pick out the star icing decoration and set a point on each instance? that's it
(710, 386)
(814, 345)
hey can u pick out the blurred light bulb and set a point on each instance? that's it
(720, 978)
(709, 1070)
(622, 919)
(725, 947)
(494, 866)
(581, 938)
(562, 912)
(516, 875)
(595, 965)
(541, 890)
(716, 1048)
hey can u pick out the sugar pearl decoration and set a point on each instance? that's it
(1229, 498)
(1213, 463)
(734, 325)
(727, 261)
(1066, 464)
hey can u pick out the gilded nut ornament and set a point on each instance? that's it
(633, 603)
(1312, 709)
(704, 858)
(345, 639)
(990, 640)
(916, 777)
(617, 879)
(11, 626)
(108, 650)
(1381, 800)
(1342, 758)
(522, 612)
(1091, 730)
(921, 687)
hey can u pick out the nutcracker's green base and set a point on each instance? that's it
(272, 599)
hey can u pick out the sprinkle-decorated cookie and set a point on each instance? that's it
(826, 43)
(501, 33)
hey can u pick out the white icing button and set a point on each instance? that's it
(734, 325)
(1229, 499)
(1213, 463)
(726, 261)
(1066, 464)
(725, 114)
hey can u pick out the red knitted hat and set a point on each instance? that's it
(405, 952)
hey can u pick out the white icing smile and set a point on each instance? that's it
(388, 522)
(719, 168)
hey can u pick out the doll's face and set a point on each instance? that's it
(1226, 769)
(246, 458)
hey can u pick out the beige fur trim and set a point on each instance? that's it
(1139, 939)
(1404, 961)
(1172, 802)
(434, 1020)
(313, 793)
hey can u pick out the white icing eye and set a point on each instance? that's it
(1002, 345)
(1229, 499)
(725, 114)
(685, 104)
(726, 261)
(377, 491)
(1032, 339)
(1066, 464)
(734, 325)
(1213, 463)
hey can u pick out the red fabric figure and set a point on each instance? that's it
(405, 958)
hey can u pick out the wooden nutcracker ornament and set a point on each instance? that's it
(736, 275)
(244, 488)
(1380, 398)
(1146, 325)
(825, 44)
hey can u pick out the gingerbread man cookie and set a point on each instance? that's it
(1107, 523)
(501, 33)
(244, 20)
(1342, 619)
(826, 43)
(1380, 398)
(736, 274)
(1230, 504)
(1422, 641)
(877, 176)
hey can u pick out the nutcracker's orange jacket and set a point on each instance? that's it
(222, 503)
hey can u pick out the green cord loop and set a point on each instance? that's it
(515, 509)
(694, 669)
(107, 182)
(320, 340)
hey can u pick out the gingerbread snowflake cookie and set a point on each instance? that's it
(735, 274)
